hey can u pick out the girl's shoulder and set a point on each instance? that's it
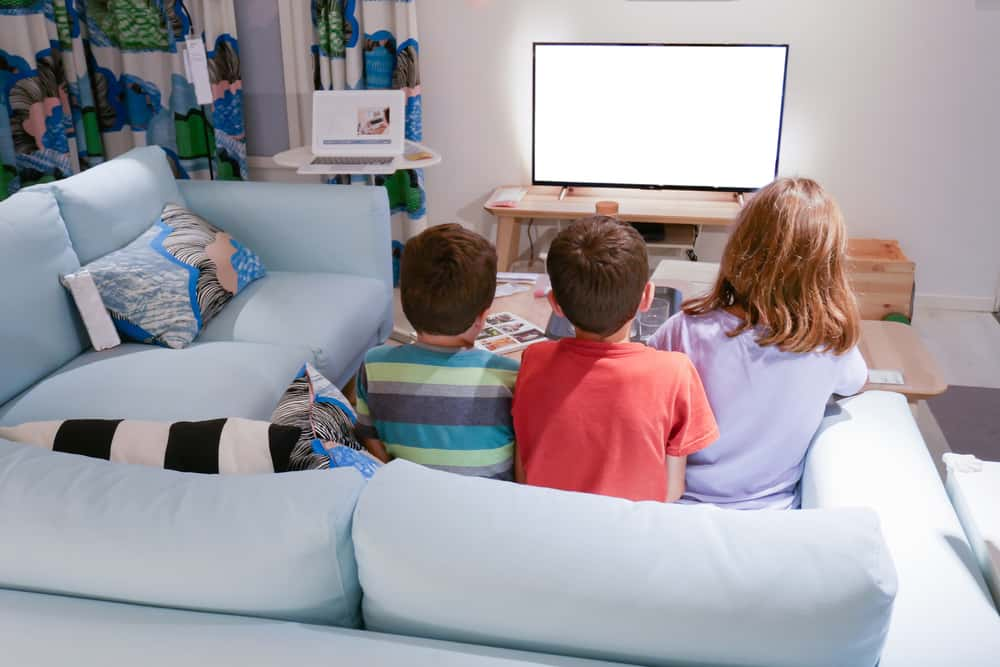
(712, 322)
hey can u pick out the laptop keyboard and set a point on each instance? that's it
(353, 160)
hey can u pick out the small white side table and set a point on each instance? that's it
(975, 494)
(294, 158)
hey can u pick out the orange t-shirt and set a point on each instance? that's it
(602, 417)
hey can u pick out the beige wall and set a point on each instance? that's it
(893, 104)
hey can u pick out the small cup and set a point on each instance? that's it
(607, 207)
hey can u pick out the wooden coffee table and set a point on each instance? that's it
(526, 305)
(522, 304)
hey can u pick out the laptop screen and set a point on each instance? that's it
(356, 122)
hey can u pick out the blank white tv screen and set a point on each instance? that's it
(658, 115)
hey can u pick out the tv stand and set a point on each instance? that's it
(683, 211)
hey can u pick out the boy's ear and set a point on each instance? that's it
(479, 322)
(551, 296)
(647, 297)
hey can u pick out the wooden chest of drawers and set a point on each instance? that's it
(882, 277)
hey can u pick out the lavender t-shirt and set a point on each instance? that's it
(768, 404)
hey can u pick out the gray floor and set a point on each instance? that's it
(967, 348)
(968, 417)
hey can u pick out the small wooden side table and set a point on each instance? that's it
(896, 346)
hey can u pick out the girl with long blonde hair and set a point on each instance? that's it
(773, 340)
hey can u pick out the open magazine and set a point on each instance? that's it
(506, 332)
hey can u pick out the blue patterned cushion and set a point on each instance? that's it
(325, 420)
(164, 286)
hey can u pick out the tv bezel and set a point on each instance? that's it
(651, 186)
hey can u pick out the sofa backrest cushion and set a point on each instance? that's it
(484, 561)
(40, 330)
(109, 205)
(275, 546)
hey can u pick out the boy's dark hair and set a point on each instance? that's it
(447, 277)
(598, 267)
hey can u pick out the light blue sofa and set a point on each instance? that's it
(110, 564)
(326, 298)
(121, 565)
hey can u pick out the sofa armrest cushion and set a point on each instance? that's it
(40, 331)
(868, 452)
(469, 559)
(273, 546)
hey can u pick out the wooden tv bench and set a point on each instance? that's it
(683, 212)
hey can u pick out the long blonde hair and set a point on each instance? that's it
(784, 267)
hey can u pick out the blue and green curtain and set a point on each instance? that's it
(373, 44)
(82, 81)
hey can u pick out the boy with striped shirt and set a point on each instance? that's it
(440, 401)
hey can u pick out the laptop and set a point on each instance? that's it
(356, 131)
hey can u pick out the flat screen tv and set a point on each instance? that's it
(681, 116)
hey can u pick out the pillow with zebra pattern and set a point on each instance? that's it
(326, 419)
(219, 446)
(165, 286)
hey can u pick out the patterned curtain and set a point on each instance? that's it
(370, 44)
(84, 80)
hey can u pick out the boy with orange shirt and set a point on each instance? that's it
(597, 413)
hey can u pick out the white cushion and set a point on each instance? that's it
(468, 559)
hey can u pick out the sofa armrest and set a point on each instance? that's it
(302, 226)
(869, 452)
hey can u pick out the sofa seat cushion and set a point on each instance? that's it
(134, 381)
(332, 314)
(54, 631)
(40, 331)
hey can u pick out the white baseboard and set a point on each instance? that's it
(975, 304)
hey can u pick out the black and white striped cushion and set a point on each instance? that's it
(223, 446)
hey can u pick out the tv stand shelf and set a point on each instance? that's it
(686, 208)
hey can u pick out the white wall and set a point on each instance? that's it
(894, 105)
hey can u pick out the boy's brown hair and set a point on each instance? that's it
(598, 267)
(447, 278)
(784, 267)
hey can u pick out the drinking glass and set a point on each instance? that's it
(652, 319)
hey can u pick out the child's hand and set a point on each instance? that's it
(377, 449)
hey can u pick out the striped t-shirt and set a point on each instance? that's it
(444, 408)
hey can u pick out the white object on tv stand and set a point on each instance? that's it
(294, 158)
